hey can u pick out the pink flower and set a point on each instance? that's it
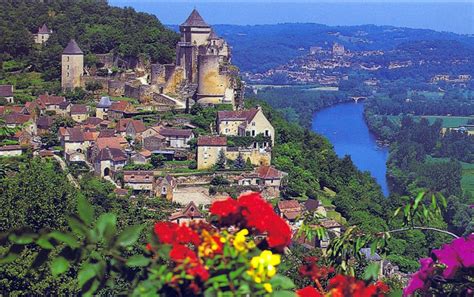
(456, 255)
(420, 280)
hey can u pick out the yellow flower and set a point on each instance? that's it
(210, 244)
(268, 287)
(262, 268)
(240, 240)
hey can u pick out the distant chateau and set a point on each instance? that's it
(202, 72)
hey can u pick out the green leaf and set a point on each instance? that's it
(371, 272)
(397, 212)
(106, 225)
(85, 210)
(130, 235)
(65, 238)
(77, 226)
(418, 199)
(282, 282)
(86, 273)
(138, 261)
(25, 238)
(59, 266)
(44, 243)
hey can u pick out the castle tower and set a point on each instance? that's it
(72, 66)
(43, 34)
(194, 33)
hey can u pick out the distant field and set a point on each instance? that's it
(467, 181)
(329, 89)
(448, 121)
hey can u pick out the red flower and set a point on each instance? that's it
(279, 233)
(166, 231)
(312, 270)
(225, 208)
(179, 253)
(198, 271)
(171, 233)
(149, 247)
(308, 292)
(347, 286)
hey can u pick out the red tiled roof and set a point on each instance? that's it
(176, 132)
(75, 134)
(138, 176)
(122, 125)
(268, 172)
(92, 121)
(113, 154)
(107, 133)
(16, 118)
(288, 204)
(194, 20)
(78, 109)
(138, 126)
(44, 122)
(212, 141)
(6, 91)
(237, 115)
(50, 100)
(191, 211)
(120, 106)
(90, 136)
(111, 142)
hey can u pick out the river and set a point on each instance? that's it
(344, 126)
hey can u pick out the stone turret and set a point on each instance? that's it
(72, 66)
(43, 34)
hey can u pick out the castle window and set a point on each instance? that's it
(267, 133)
(253, 132)
(68, 67)
(67, 59)
(68, 74)
(253, 123)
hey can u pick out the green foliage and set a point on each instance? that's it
(157, 161)
(221, 160)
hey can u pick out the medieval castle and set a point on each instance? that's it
(202, 72)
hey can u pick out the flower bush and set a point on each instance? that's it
(449, 271)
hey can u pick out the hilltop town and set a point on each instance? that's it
(177, 132)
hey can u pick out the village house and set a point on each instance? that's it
(43, 34)
(208, 150)
(6, 91)
(188, 214)
(140, 181)
(109, 160)
(154, 142)
(54, 104)
(251, 122)
(165, 187)
(177, 138)
(120, 109)
(43, 124)
(79, 112)
(76, 142)
(289, 209)
(10, 150)
(21, 121)
(141, 157)
(134, 128)
(266, 176)
(102, 107)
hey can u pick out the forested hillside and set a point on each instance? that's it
(259, 48)
(96, 26)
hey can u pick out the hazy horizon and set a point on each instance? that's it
(457, 17)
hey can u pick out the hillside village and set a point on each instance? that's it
(177, 132)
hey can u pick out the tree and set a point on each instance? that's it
(157, 160)
(239, 162)
(221, 160)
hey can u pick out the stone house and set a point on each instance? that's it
(109, 160)
(10, 150)
(120, 109)
(43, 34)
(190, 213)
(6, 91)
(141, 157)
(289, 209)
(134, 129)
(177, 138)
(140, 181)
(251, 122)
(43, 124)
(22, 121)
(102, 107)
(265, 176)
(165, 187)
(154, 143)
(76, 142)
(208, 150)
(56, 104)
(79, 112)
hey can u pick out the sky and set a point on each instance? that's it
(453, 16)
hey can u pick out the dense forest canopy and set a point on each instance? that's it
(97, 27)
